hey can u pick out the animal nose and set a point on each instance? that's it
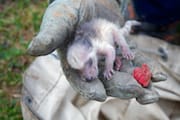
(89, 79)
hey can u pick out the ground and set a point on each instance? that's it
(19, 22)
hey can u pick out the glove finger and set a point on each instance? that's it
(149, 96)
(57, 24)
(122, 85)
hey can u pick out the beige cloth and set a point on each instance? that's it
(47, 94)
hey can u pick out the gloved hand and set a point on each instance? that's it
(57, 29)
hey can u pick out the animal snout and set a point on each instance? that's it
(90, 73)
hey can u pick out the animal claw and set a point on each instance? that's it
(118, 63)
(108, 74)
(128, 55)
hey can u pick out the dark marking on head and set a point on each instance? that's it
(87, 28)
(85, 33)
(87, 42)
(84, 40)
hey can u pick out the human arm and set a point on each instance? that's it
(57, 29)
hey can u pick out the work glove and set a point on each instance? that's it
(58, 26)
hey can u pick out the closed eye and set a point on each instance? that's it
(89, 62)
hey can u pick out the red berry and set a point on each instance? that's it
(142, 75)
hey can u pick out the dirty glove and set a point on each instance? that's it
(57, 29)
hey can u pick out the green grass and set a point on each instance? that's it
(19, 21)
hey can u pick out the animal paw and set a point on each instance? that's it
(108, 74)
(118, 63)
(128, 54)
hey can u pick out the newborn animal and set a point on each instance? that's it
(95, 38)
